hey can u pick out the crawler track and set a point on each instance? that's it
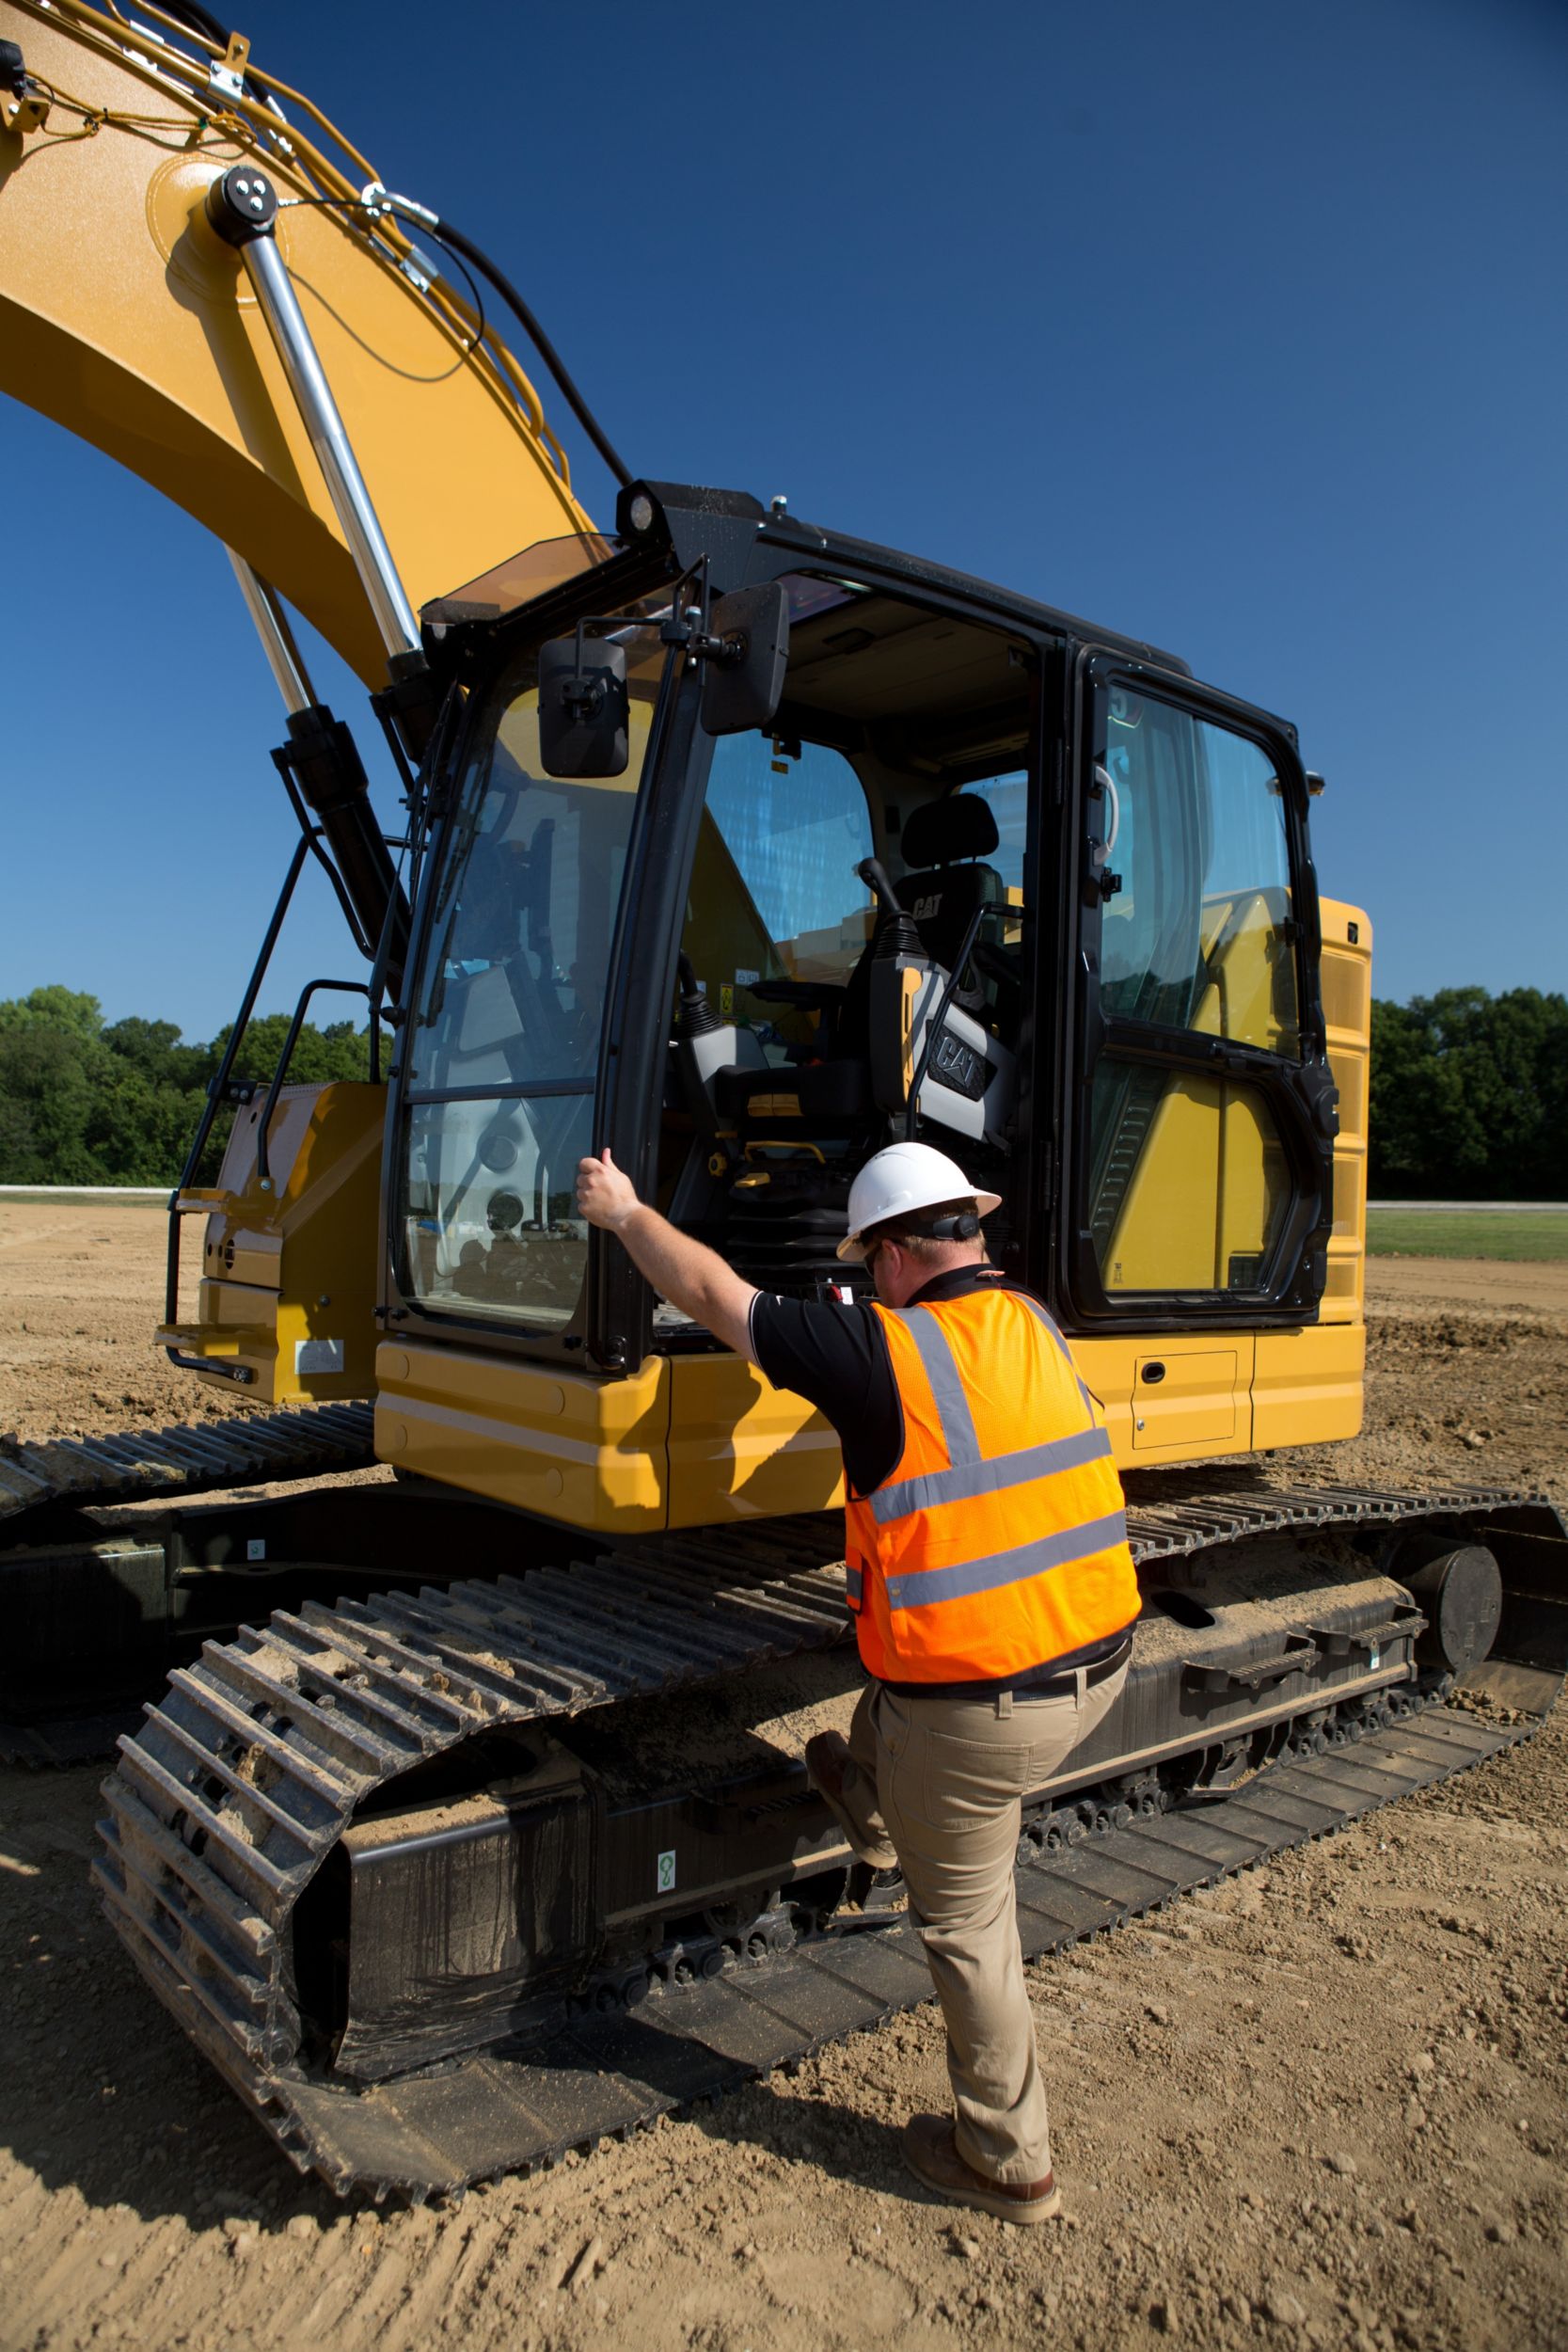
(599, 2077)
(247, 1772)
(198, 1458)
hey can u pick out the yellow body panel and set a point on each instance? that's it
(1202, 1192)
(1194, 1400)
(700, 1441)
(1306, 1386)
(126, 320)
(593, 1453)
(1210, 1172)
(1250, 996)
(739, 1448)
(288, 1283)
(1347, 987)
(1197, 1406)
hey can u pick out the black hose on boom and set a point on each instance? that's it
(541, 341)
(200, 20)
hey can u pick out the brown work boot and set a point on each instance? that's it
(827, 1761)
(930, 2151)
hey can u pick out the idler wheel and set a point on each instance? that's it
(1460, 1588)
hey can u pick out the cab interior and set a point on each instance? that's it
(816, 992)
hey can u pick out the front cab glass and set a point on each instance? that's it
(502, 1049)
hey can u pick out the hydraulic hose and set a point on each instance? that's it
(380, 199)
(201, 21)
(198, 20)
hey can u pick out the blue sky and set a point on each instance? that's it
(1238, 327)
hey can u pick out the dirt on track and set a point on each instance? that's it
(1321, 2104)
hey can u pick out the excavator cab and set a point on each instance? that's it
(982, 875)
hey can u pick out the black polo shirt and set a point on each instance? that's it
(837, 1358)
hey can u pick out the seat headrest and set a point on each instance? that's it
(940, 831)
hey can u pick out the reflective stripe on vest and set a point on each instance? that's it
(965, 1480)
(969, 1476)
(922, 1587)
(1048, 1323)
(945, 1594)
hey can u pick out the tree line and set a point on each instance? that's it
(89, 1102)
(1469, 1096)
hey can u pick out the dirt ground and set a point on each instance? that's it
(1321, 2104)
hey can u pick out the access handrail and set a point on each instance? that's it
(217, 1091)
(345, 987)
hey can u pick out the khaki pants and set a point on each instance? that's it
(935, 1785)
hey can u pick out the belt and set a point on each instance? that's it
(1059, 1686)
(1063, 1686)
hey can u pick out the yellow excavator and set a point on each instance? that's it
(468, 1825)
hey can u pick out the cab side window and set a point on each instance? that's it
(1199, 934)
(1188, 1186)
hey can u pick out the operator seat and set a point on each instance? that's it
(831, 1098)
(835, 1097)
(942, 892)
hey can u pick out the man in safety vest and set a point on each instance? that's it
(992, 1590)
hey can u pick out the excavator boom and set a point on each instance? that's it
(125, 318)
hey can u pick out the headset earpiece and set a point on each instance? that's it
(961, 1226)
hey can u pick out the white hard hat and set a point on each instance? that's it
(901, 1180)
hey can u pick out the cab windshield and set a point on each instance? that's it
(503, 1044)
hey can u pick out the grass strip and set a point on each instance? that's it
(1465, 1233)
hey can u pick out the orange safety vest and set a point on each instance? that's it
(1000, 1541)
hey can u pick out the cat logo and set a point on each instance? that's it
(923, 907)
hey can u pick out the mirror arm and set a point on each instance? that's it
(728, 652)
(584, 697)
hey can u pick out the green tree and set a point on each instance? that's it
(1469, 1095)
(65, 1008)
(338, 1050)
(82, 1103)
(142, 1125)
(51, 1071)
(154, 1048)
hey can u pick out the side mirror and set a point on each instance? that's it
(583, 708)
(743, 676)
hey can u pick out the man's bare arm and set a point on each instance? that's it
(692, 1277)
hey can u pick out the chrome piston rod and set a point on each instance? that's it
(284, 658)
(242, 206)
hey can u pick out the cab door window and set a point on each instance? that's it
(774, 891)
(1199, 936)
(1196, 1167)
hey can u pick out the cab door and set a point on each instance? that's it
(1198, 1114)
